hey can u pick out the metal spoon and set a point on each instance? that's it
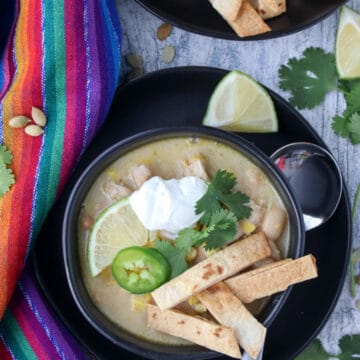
(315, 178)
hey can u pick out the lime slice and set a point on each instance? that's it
(116, 228)
(239, 103)
(348, 44)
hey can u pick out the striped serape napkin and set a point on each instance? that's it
(63, 57)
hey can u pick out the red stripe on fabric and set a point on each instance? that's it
(31, 95)
(25, 161)
(4, 353)
(71, 70)
(32, 329)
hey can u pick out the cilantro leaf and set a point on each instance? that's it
(352, 100)
(219, 193)
(189, 237)
(348, 85)
(222, 229)
(354, 128)
(221, 209)
(5, 155)
(349, 345)
(314, 351)
(310, 78)
(7, 179)
(340, 126)
(174, 256)
(236, 202)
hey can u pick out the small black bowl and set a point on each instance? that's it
(70, 241)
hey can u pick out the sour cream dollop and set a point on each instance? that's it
(168, 204)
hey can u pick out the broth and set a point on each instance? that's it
(163, 158)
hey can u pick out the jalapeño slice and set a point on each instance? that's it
(140, 270)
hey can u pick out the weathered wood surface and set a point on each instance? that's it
(261, 60)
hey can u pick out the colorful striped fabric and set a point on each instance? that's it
(62, 56)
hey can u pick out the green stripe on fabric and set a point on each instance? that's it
(55, 107)
(15, 339)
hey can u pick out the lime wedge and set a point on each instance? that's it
(348, 44)
(116, 228)
(239, 103)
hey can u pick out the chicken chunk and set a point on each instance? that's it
(139, 174)
(114, 190)
(194, 167)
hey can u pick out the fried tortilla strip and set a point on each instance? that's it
(228, 310)
(272, 278)
(208, 272)
(228, 9)
(199, 331)
(248, 22)
(269, 8)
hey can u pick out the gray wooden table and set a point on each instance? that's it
(139, 29)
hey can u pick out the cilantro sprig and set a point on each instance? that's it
(352, 262)
(221, 209)
(219, 194)
(310, 78)
(349, 346)
(7, 177)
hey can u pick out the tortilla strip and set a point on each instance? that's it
(248, 22)
(228, 9)
(228, 310)
(256, 269)
(208, 272)
(269, 8)
(272, 278)
(199, 331)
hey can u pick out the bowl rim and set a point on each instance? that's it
(120, 148)
(220, 34)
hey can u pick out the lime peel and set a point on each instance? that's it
(239, 103)
(348, 44)
(115, 228)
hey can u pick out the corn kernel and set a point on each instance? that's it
(247, 227)
(193, 300)
(112, 174)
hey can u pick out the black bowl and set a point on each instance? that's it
(199, 17)
(70, 242)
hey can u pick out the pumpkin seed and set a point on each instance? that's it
(38, 116)
(357, 279)
(163, 31)
(355, 257)
(168, 54)
(134, 60)
(19, 121)
(34, 130)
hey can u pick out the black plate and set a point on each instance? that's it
(198, 16)
(179, 97)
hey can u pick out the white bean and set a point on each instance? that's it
(274, 223)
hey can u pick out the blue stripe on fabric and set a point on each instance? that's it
(8, 348)
(109, 53)
(41, 151)
(116, 37)
(88, 72)
(40, 320)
